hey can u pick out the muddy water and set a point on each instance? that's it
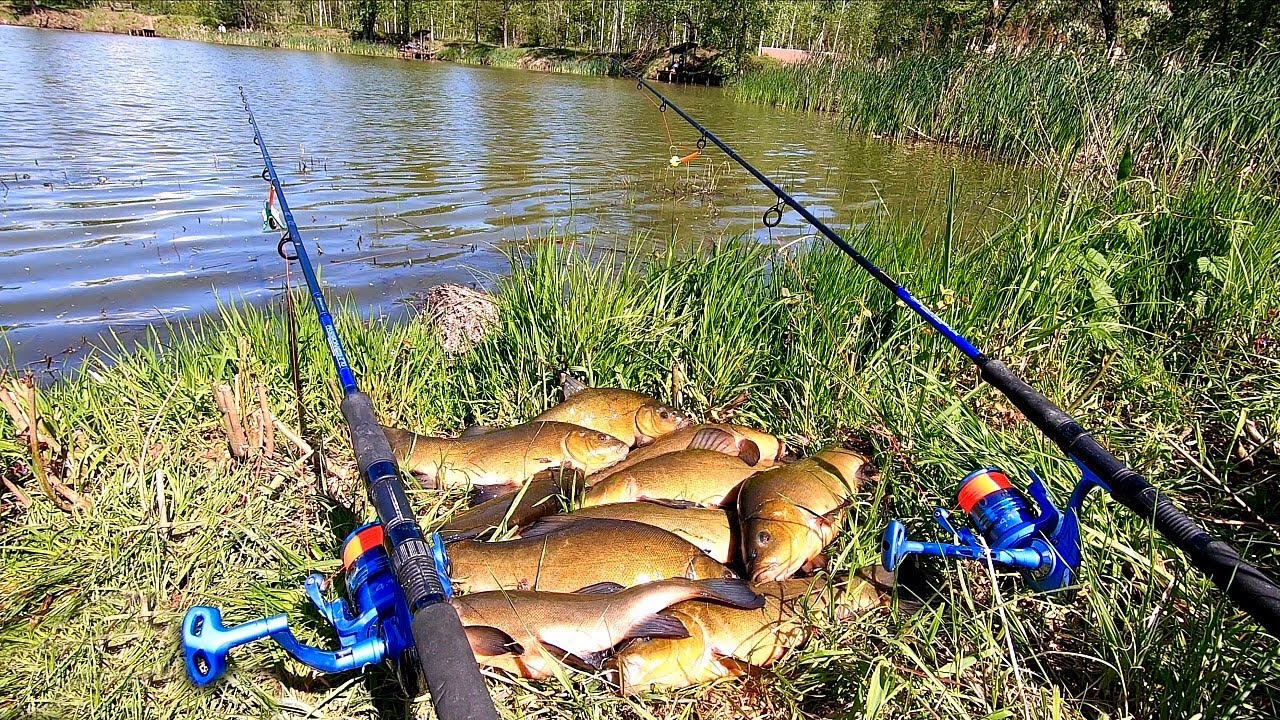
(131, 194)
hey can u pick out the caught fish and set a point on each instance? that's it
(727, 642)
(569, 556)
(790, 513)
(504, 457)
(708, 528)
(728, 439)
(528, 633)
(544, 494)
(698, 477)
(632, 417)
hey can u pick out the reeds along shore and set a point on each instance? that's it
(1175, 119)
(1151, 314)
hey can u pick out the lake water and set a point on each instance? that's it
(131, 193)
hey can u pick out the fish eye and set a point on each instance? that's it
(763, 537)
(664, 414)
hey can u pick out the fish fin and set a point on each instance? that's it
(485, 493)
(600, 588)
(589, 663)
(488, 641)
(448, 537)
(732, 591)
(548, 525)
(657, 626)
(734, 666)
(429, 482)
(835, 517)
(477, 431)
(721, 441)
(673, 503)
(830, 518)
(571, 385)
(815, 563)
(749, 452)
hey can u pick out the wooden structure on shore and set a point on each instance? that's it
(143, 32)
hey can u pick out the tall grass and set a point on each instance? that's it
(302, 39)
(1174, 120)
(1153, 314)
(556, 60)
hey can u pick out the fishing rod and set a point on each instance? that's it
(397, 579)
(1045, 546)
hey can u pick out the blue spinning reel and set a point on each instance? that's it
(1044, 547)
(379, 627)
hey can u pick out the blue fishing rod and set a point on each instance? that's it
(396, 578)
(1043, 545)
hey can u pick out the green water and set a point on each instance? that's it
(132, 194)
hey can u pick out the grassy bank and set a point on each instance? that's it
(1174, 120)
(1153, 316)
(556, 60)
(188, 27)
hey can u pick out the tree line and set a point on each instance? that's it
(1212, 29)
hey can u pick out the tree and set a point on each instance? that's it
(1110, 23)
(368, 12)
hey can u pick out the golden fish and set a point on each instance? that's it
(632, 417)
(544, 494)
(708, 528)
(565, 556)
(726, 642)
(527, 633)
(504, 457)
(700, 477)
(728, 439)
(789, 514)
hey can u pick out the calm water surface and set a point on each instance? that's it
(131, 193)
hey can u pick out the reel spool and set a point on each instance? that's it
(372, 623)
(1043, 546)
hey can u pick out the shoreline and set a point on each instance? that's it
(568, 61)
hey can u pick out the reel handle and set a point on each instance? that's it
(206, 641)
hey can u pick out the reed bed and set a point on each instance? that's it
(1173, 120)
(555, 60)
(1152, 314)
(309, 40)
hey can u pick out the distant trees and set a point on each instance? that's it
(1222, 29)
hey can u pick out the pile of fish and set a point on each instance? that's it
(649, 550)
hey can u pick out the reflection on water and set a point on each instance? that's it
(131, 192)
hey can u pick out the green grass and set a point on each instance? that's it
(1175, 120)
(556, 60)
(1152, 314)
(302, 38)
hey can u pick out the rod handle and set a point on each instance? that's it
(1255, 592)
(448, 665)
(367, 439)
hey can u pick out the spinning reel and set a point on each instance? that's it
(1043, 546)
(372, 622)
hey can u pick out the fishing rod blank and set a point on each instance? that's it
(1250, 588)
(444, 657)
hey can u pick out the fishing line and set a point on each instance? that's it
(1250, 588)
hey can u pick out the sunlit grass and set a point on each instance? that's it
(1151, 314)
(556, 60)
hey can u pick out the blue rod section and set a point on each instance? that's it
(345, 376)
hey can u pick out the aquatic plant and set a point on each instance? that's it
(1172, 119)
(556, 60)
